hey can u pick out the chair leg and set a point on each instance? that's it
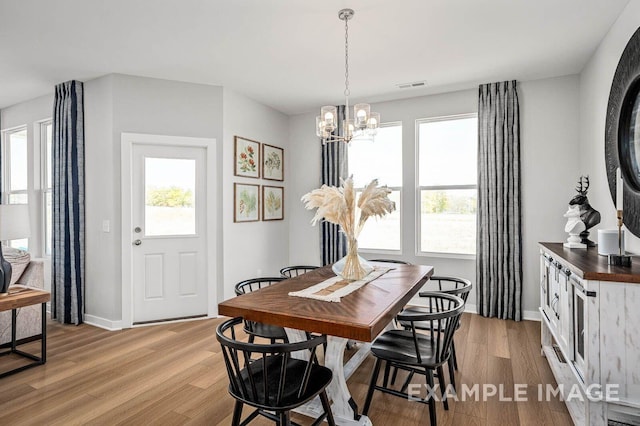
(372, 385)
(327, 408)
(432, 402)
(453, 355)
(387, 369)
(452, 377)
(442, 384)
(237, 413)
(394, 376)
(285, 419)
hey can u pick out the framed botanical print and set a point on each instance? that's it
(246, 157)
(272, 162)
(272, 202)
(246, 202)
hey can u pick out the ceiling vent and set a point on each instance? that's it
(411, 85)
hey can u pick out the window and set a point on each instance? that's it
(382, 160)
(15, 172)
(447, 184)
(47, 182)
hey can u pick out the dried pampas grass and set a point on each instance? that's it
(338, 205)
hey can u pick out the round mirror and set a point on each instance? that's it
(629, 136)
(622, 132)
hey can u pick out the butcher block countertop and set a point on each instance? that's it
(589, 265)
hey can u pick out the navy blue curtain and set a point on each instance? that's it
(68, 204)
(333, 243)
(499, 242)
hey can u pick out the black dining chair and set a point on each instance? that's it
(268, 378)
(294, 271)
(415, 352)
(450, 285)
(257, 329)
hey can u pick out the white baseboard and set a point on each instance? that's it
(103, 323)
(526, 315)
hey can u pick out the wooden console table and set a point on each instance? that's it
(20, 299)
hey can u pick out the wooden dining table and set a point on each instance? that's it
(361, 316)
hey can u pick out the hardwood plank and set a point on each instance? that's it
(174, 374)
(533, 412)
(546, 375)
(497, 339)
(473, 372)
(500, 374)
(522, 360)
(479, 329)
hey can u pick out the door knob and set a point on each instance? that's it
(137, 242)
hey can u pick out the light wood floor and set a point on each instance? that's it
(174, 374)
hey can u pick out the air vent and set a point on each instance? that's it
(411, 85)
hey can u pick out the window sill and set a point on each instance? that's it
(460, 256)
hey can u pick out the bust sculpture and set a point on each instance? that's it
(574, 227)
(589, 216)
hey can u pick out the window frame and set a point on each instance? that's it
(6, 164)
(419, 189)
(44, 174)
(392, 188)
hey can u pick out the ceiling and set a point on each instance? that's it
(289, 54)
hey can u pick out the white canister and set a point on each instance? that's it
(608, 241)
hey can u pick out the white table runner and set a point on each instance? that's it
(322, 291)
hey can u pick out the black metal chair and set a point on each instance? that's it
(449, 285)
(257, 329)
(416, 352)
(401, 262)
(294, 271)
(268, 378)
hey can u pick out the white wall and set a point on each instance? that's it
(119, 103)
(31, 113)
(253, 249)
(595, 85)
(549, 137)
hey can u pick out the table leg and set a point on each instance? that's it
(43, 347)
(14, 319)
(344, 408)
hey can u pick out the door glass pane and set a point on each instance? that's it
(18, 160)
(448, 221)
(170, 191)
(580, 326)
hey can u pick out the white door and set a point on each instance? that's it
(168, 232)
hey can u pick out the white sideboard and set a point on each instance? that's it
(590, 333)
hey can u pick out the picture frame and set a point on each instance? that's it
(272, 162)
(272, 203)
(246, 157)
(246, 202)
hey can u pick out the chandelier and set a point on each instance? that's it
(364, 122)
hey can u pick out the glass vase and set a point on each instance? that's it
(352, 267)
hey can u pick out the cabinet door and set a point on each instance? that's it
(554, 294)
(565, 310)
